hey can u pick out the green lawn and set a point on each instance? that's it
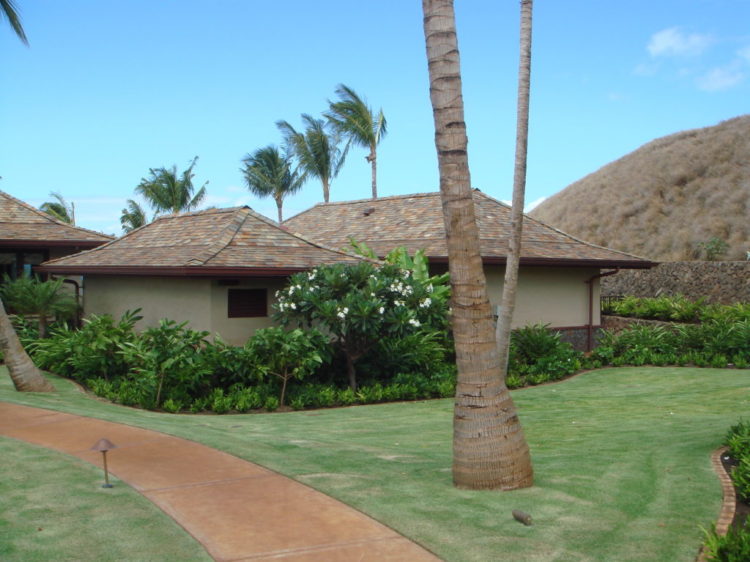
(621, 459)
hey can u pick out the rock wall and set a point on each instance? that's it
(723, 282)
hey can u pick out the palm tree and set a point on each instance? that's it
(167, 192)
(60, 209)
(25, 375)
(489, 448)
(133, 216)
(269, 172)
(9, 12)
(519, 185)
(316, 151)
(352, 118)
(29, 295)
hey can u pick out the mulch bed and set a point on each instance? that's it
(742, 508)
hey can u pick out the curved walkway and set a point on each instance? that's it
(236, 509)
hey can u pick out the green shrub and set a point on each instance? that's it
(243, 399)
(738, 439)
(732, 547)
(172, 406)
(741, 478)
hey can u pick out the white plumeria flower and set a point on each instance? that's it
(414, 322)
(425, 303)
(429, 288)
(381, 309)
(292, 306)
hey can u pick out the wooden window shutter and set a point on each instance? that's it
(247, 303)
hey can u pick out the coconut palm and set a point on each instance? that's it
(9, 12)
(168, 192)
(519, 186)
(268, 172)
(316, 150)
(25, 375)
(353, 118)
(59, 208)
(133, 216)
(489, 448)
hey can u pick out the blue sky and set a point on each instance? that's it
(108, 89)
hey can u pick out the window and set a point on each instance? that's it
(247, 303)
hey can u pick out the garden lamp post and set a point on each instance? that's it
(104, 445)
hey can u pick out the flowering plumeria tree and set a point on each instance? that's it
(360, 306)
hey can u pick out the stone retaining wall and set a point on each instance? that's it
(724, 282)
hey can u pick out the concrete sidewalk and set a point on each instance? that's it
(236, 509)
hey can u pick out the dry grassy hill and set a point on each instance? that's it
(666, 198)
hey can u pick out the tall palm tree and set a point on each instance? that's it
(59, 208)
(25, 375)
(489, 448)
(9, 12)
(168, 192)
(29, 295)
(268, 172)
(519, 185)
(353, 118)
(133, 216)
(316, 151)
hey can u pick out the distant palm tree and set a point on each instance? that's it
(9, 12)
(167, 192)
(353, 119)
(133, 216)
(43, 299)
(60, 209)
(316, 151)
(268, 172)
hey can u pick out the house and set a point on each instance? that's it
(217, 269)
(29, 237)
(558, 276)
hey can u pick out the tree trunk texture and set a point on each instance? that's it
(326, 190)
(489, 448)
(373, 160)
(24, 374)
(519, 188)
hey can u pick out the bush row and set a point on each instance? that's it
(675, 309)
(735, 545)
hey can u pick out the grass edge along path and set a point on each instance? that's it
(621, 457)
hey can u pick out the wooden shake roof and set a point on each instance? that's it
(416, 222)
(216, 242)
(23, 225)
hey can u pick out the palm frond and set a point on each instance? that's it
(9, 11)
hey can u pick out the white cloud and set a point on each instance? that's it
(534, 204)
(673, 42)
(721, 78)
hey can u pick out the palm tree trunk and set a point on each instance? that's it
(373, 160)
(279, 205)
(489, 448)
(326, 190)
(24, 374)
(519, 187)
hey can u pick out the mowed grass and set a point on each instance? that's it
(621, 460)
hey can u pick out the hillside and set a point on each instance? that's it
(666, 198)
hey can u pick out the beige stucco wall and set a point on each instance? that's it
(237, 330)
(200, 302)
(555, 296)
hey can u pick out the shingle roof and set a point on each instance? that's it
(416, 222)
(20, 223)
(235, 241)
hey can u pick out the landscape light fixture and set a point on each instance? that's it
(104, 445)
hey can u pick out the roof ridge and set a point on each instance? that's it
(527, 217)
(224, 238)
(50, 218)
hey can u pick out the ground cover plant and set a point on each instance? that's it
(52, 507)
(621, 457)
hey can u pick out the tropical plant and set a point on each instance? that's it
(287, 355)
(60, 208)
(712, 249)
(133, 216)
(353, 118)
(25, 375)
(169, 192)
(9, 12)
(489, 448)
(268, 172)
(360, 306)
(30, 295)
(316, 150)
(734, 546)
